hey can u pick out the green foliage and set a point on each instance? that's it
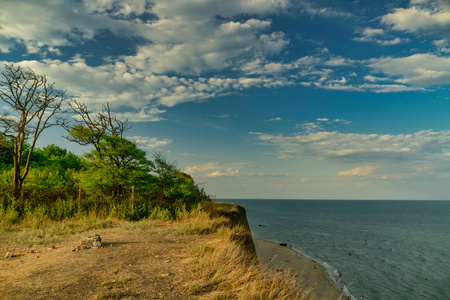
(177, 187)
(56, 158)
(115, 168)
(183, 190)
(116, 179)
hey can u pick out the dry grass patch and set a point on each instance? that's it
(226, 271)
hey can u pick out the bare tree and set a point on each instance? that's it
(30, 105)
(90, 128)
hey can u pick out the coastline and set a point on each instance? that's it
(311, 275)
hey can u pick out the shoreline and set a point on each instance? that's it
(310, 275)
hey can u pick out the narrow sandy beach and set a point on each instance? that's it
(310, 274)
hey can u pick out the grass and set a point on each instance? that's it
(223, 268)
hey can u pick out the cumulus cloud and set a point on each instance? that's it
(120, 87)
(215, 169)
(227, 173)
(359, 171)
(199, 46)
(178, 49)
(322, 119)
(359, 147)
(422, 17)
(225, 8)
(33, 24)
(328, 121)
(327, 12)
(182, 38)
(418, 69)
(148, 143)
(379, 36)
(143, 115)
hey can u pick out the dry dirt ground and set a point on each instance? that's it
(132, 264)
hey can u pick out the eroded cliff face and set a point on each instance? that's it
(237, 216)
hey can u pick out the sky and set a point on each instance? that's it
(264, 99)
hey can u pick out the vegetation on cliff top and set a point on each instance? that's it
(115, 178)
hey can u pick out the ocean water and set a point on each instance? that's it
(399, 249)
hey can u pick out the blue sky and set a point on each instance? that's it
(323, 99)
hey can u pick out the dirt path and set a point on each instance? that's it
(131, 265)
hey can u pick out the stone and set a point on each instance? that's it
(92, 241)
(8, 255)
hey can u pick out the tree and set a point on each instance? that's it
(31, 104)
(115, 163)
(90, 129)
(166, 170)
(121, 165)
(56, 158)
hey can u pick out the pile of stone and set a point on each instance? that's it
(93, 241)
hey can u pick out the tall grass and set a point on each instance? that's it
(35, 213)
(226, 270)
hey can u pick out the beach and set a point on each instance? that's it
(310, 275)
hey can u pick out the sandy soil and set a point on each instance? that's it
(131, 265)
(310, 275)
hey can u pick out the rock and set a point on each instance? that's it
(93, 241)
(8, 255)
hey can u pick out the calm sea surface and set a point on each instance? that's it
(399, 249)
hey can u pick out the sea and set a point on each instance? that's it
(386, 250)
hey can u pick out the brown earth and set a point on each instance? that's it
(132, 264)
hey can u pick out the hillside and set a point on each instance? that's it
(205, 255)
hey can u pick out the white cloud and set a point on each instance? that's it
(138, 90)
(229, 172)
(388, 88)
(275, 119)
(328, 12)
(182, 38)
(32, 24)
(148, 143)
(379, 36)
(422, 17)
(215, 169)
(359, 147)
(418, 69)
(359, 171)
(374, 79)
(199, 46)
(310, 127)
(225, 8)
(143, 115)
(328, 121)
